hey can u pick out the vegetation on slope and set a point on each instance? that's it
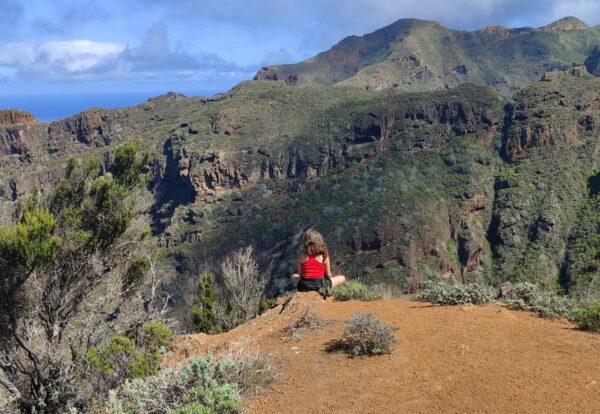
(417, 55)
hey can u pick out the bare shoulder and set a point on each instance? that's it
(302, 257)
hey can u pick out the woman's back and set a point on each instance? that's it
(312, 268)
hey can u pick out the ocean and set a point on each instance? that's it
(53, 106)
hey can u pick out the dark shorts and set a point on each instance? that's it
(309, 285)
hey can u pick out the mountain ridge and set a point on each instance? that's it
(419, 55)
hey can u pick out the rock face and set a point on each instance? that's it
(12, 117)
(22, 138)
(268, 73)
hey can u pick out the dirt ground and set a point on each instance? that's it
(462, 359)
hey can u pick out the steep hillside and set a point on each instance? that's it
(416, 55)
(466, 359)
(459, 183)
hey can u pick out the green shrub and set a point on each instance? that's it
(588, 317)
(200, 387)
(136, 272)
(204, 317)
(157, 336)
(528, 296)
(123, 358)
(192, 408)
(203, 386)
(30, 242)
(128, 164)
(353, 290)
(364, 334)
(115, 357)
(444, 294)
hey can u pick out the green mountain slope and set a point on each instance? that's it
(418, 55)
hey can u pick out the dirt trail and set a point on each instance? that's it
(463, 359)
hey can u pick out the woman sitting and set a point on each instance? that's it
(314, 264)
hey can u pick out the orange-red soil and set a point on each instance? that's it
(462, 359)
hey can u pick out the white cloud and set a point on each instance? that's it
(78, 55)
(68, 57)
(88, 60)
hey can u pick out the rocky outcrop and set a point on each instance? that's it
(88, 127)
(270, 74)
(592, 63)
(224, 123)
(21, 185)
(550, 117)
(22, 136)
(10, 117)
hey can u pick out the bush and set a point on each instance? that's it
(199, 384)
(204, 317)
(193, 408)
(203, 386)
(251, 371)
(364, 334)
(122, 358)
(529, 297)
(445, 294)
(353, 290)
(588, 317)
(300, 328)
(136, 272)
(244, 285)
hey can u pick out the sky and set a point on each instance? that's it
(117, 46)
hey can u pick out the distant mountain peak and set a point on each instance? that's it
(418, 55)
(566, 23)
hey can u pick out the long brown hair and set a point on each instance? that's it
(314, 244)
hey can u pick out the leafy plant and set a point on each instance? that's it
(203, 386)
(445, 294)
(204, 316)
(365, 335)
(199, 383)
(588, 317)
(353, 290)
(530, 297)
(123, 358)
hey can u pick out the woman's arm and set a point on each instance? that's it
(299, 260)
(328, 268)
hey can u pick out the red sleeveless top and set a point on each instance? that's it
(312, 268)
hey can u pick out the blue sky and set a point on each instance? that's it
(198, 45)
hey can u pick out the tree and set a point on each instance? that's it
(244, 285)
(203, 313)
(62, 266)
